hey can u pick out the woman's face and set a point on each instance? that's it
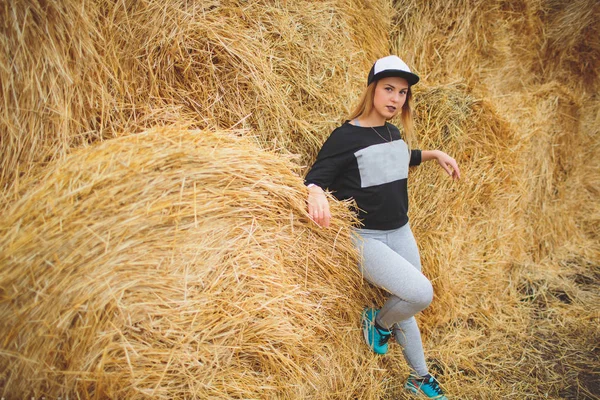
(389, 97)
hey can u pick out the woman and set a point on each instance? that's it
(366, 159)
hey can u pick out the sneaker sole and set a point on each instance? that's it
(365, 327)
(411, 388)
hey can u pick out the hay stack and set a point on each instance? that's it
(482, 208)
(52, 75)
(469, 233)
(571, 44)
(514, 246)
(528, 43)
(74, 74)
(175, 264)
(508, 88)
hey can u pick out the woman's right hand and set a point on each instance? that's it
(318, 206)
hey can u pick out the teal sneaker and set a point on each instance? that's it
(427, 385)
(377, 339)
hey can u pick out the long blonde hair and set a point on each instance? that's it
(365, 106)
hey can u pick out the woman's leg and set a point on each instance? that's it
(390, 260)
(407, 332)
(381, 265)
(408, 336)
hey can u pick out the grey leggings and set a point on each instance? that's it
(390, 260)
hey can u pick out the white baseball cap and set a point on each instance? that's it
(391, 66)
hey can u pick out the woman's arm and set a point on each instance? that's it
(333, 158)
(445, 161)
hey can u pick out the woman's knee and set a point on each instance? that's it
(428, 297)
(419, 294)
(423, 294)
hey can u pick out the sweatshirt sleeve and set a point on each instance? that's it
(415, 158)
(334, 156)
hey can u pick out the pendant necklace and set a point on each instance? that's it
(386, 125)
(388, 129)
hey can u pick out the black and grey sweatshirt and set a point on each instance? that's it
(359, 163)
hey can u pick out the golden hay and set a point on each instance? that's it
(75, 73)
(468, 232)
(571, 45)
(520, 43)
(508, 88)
(448, 217)
(174, 264)
(46, 55)
(514, 246)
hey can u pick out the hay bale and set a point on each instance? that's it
(514, 247)
(467, 225)
(179, 263)
(50, 72)
(559, 152)
(449, 42)
(108, 67)
(571, 44)
(509, 248)
(470, 236)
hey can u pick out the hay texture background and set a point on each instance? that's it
(515, 244)
(74, 74)
(179, 262)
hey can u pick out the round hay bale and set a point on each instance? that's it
(179, 263)
(469, 234)
(469, 223)
(50, 74)
(571, 46)
(87, 72)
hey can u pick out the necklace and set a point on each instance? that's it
(386, 125)
(389, 133)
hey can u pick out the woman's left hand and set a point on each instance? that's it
(448, 163)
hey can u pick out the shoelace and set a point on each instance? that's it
(432, 382)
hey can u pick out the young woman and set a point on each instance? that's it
(366, 159)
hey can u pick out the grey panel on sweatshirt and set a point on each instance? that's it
(383, 163)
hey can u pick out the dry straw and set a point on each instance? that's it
(110, 241)
(514, 246)
(176, 264)
(75, 73)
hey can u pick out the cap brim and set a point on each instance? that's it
(409, 76)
